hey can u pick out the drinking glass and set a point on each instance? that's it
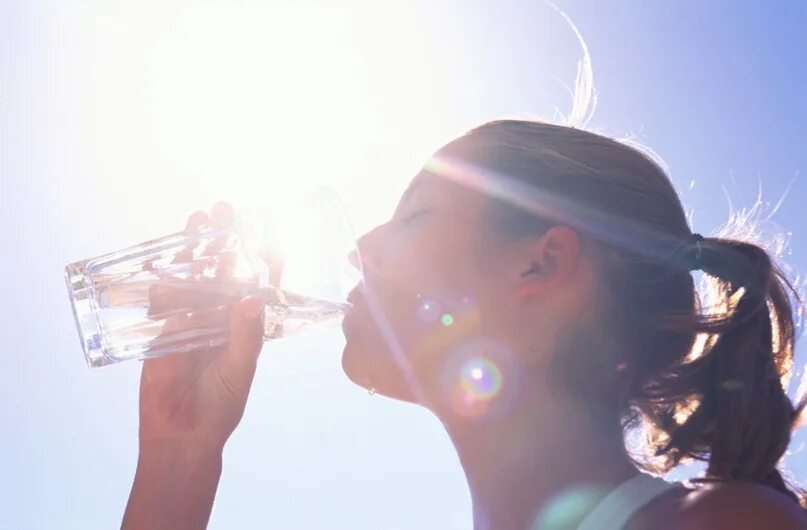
(173, 294)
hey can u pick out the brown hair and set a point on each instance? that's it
(705, 377)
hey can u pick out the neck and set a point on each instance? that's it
(518, 462)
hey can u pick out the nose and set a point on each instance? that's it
(353, 258)
(365, 254)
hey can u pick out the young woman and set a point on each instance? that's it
(534, 290)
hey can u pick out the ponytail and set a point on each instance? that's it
(726, 403)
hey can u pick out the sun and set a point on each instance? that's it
(259, 101)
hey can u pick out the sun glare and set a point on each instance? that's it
(259, 101)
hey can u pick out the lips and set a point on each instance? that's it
(350, 313)
(355, 295)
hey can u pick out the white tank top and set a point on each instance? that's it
(616, 509)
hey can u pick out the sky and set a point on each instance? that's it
(118, 119)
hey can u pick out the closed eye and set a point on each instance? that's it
(412, 216)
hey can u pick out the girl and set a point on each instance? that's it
(534, 290)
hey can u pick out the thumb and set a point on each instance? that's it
(239, 361)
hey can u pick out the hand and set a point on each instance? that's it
(196, 399)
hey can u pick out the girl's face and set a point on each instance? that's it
(435, 312)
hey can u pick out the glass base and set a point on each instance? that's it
(82, 302)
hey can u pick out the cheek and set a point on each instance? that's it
(380, 339)
(424, 304)
(403, 336)
(436, 289)
(439, 264)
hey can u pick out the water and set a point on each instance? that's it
(125, 314)
(288, 314)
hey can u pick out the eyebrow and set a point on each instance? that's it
(425, 179)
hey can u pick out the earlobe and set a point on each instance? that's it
(531, 289)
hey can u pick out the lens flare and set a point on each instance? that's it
(617, 230)
(429, 310)
(447, 319)
(476, 385)
(568, 508)
(481, 378)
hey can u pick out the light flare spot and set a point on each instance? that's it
(481, 378)
(429, 311)
(568, 508)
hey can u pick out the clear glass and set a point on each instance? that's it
(173, 294)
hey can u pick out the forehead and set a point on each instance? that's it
(431, 185)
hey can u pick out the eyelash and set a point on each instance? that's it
(409, 218)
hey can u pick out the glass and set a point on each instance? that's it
(173, 294)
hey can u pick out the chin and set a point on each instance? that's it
(355, 370)
(374, 369)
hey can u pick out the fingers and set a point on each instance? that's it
(189, 296)
(206, 322)
(202, 331)
(235, 362)
(194, 225)
(195, 222)
(177, 294)
(163, 301)
(238, 362)
(226, 263)
(222, 215)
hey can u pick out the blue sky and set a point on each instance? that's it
(118, 119)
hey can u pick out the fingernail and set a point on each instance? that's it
(251, 307)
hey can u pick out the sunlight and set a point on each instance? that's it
(256, 104)
(309, 244)
(237, 100)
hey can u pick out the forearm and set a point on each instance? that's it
(174, 488)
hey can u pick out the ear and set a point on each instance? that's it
(553, 259)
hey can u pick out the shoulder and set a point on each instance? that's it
(740, 506)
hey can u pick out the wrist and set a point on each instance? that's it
(174, 486)
(179, 452)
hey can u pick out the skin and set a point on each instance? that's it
(521, 443)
